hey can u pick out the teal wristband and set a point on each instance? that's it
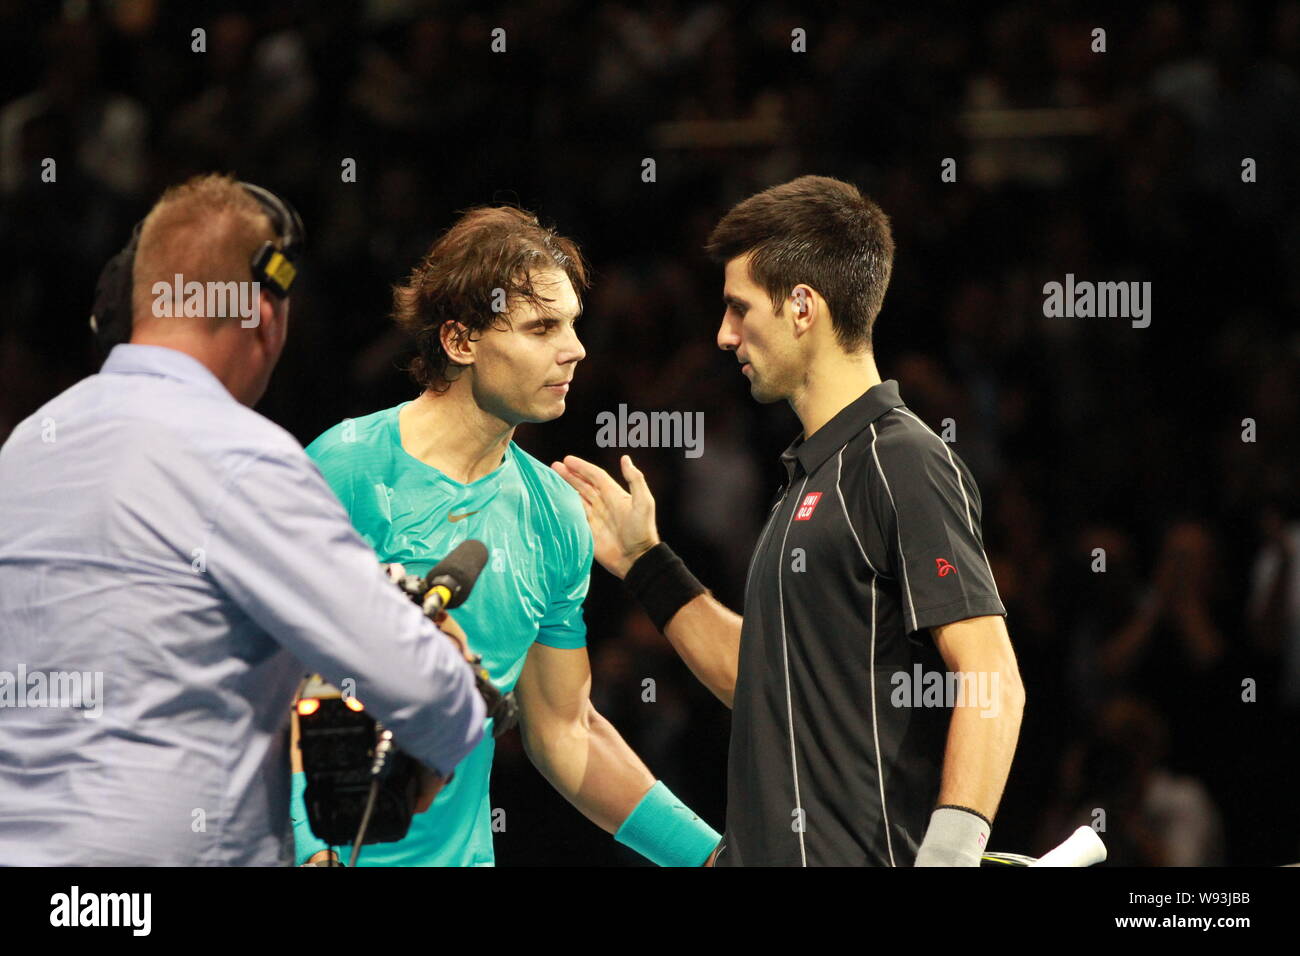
(305, 843)
(664, 831)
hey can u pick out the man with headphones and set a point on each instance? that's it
(273, 266)
(172, 564)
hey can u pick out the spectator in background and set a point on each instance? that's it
(1274, 610)
(1151, 815)
(73, 117)
(254, 109)
(1174, 648)
(1274, 615)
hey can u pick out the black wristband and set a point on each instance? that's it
(661, 582)
(976, 813)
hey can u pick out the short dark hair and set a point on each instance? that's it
(488, 248)
(821, 232)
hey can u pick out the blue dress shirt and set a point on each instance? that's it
(171, 564)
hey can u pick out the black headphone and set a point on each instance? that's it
(274, 266)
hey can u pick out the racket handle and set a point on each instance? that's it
(1082, 848)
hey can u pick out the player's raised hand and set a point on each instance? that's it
(622, 522)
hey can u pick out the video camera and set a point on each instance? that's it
(360, 787)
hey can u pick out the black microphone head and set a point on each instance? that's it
(459, 570)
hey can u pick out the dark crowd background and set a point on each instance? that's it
(1083, 433)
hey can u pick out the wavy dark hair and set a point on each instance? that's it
(488, 248)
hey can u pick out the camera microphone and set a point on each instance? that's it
(448, 584)
(361, 788)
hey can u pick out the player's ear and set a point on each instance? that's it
(804, 305)
(456, 342)
(270, 323)
(281, 316)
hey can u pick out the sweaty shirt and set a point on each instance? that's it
(532, 589)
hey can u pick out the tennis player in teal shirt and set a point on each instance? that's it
(492, 309)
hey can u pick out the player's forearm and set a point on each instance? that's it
(981, 745)
(706, 635)
(592, 766)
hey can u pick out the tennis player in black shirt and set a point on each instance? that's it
(875, 694)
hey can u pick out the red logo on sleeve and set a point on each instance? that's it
(943, 567)
(807, 506)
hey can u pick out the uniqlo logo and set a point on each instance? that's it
(807, 506)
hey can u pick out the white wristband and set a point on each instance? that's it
(954, 838)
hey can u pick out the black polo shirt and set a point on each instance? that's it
(875, 538)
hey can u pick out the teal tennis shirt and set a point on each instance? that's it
(532, 589)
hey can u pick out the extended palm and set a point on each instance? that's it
(622, 523)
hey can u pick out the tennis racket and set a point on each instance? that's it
(1082, 848)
